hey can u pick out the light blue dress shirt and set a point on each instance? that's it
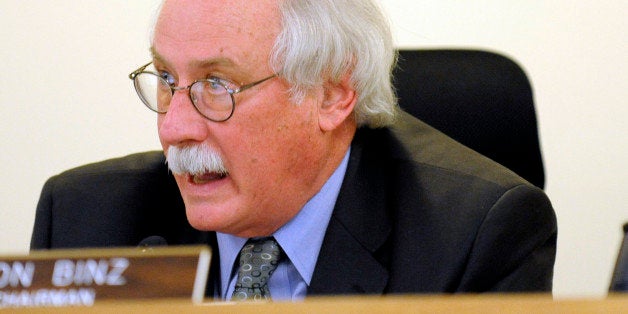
(301, 239)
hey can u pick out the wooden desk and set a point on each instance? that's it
(345, 305)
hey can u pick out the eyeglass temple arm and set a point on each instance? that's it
(247, 86)
(139, 70)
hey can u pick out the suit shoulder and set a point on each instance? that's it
(417, 142)
(144, 162)
(145, 166)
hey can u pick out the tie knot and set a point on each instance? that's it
(266, 248)
(258, 260)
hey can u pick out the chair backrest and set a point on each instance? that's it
(619, 282)
(481, 99)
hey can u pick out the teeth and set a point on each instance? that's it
(206, 177)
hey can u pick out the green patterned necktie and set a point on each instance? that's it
(258, 260)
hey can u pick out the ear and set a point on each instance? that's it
(338, 102)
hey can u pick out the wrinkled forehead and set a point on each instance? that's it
(221, 25)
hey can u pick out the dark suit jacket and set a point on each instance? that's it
(417, 213)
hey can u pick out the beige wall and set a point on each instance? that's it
(65, 100)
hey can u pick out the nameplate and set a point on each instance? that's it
(82, 277)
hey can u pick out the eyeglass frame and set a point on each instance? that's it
(174, 89)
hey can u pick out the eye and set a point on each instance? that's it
(222, 83)
(214, 86)
(168, 77)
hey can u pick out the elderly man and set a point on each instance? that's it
(279, 125)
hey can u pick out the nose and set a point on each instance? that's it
(182, 123)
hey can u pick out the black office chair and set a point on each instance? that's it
(479, 98)
(619, 282)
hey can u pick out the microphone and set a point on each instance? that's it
(151, 242)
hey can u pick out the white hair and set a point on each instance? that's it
(324, 40)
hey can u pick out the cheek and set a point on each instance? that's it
(269, 137)
(284, 131)
(160, 118)
(268, 146)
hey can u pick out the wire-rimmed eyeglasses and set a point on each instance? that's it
(212, 97)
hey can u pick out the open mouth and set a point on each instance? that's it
(206, 177)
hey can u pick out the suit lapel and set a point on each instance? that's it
(349, 262)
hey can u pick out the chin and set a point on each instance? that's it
(209, 217)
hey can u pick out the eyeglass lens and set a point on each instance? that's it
(210, 98)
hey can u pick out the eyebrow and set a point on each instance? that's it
(206, 63)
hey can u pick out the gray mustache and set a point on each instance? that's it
(197, 159)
